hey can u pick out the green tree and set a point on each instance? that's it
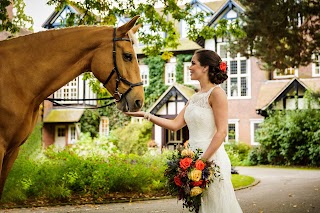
(281, 33)
(20, 20)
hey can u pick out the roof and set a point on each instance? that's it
(271, 90)
(63, 116)
(185, 45)
(185, 91)
(5, 34)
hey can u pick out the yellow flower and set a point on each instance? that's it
(195, 191)
(187, 153)
(195, 175)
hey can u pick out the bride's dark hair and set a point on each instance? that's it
(213, 60)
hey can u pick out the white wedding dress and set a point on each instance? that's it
(220, 196)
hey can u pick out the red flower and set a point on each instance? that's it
(200, 165)
(185, 163)
(223, 66)
(177, 181)
(197, 183)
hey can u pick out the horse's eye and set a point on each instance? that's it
(127, 57)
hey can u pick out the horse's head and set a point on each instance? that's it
(121, 74)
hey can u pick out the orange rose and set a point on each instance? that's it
(177, 181)
(200, 165)
(185, 163)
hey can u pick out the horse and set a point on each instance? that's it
(34, 66)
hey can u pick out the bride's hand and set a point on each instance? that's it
(135, 114)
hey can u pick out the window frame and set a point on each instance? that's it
(186, 74)
(316, 65)
(236, 123)
(252, 130)
(144, 71)
(104, 130)
(238, 58)
(172, 71)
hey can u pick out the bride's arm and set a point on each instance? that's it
(219, 105)
(174, 125)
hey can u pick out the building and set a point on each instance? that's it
(250, 90)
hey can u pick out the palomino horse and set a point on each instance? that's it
(34, 66)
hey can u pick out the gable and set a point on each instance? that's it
(277, 93)
(58, 18)
(172, 101)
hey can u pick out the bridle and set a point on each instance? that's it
(117, 95)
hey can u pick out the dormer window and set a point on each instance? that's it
(287, 73)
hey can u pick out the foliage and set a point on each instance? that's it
(290, 137)
(156, 75)
(181, 58)
(20, 20)
(82, 170)
(90, 121)
(238, 153)
(286, 39)
(188, 176)
(132, 138)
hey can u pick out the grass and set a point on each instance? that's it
(239, 181)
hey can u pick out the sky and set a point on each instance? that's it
(39, 11)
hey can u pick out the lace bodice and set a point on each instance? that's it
(200, 120)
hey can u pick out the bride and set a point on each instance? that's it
(206, 115)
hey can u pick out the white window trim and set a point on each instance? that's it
(314, 74)
(248, 74)
(144, 70)
(69, 134)
(102, 131)
(173, 71)
(186, 74)
(236, 122)
(276, 76)
(252, 123)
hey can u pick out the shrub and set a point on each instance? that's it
(289, 137)
(238, 152)
(133, 138)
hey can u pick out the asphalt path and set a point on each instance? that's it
(278, 191)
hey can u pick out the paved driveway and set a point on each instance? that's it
(279, 191)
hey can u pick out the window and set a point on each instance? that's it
(72, 134)
(186, 71)
(233, 131)
(76, 89)
(104, 126)
(254, 126)
(69, 91)
(144, 72)
(197, 8)
(238, 83)
(174, 139)
(316, 65)
(170, 73)
(287, 73)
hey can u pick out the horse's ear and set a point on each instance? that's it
(129, 25)
(135, 28)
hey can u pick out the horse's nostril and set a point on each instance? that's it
(138, 103)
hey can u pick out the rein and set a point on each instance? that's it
(117, 95)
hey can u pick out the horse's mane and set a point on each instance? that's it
(25, 33)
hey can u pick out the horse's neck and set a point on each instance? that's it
(48, 60)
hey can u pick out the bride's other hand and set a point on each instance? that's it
(135, 114)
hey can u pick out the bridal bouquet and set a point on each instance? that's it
(188, 176)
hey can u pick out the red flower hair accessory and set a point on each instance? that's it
(223, 66)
